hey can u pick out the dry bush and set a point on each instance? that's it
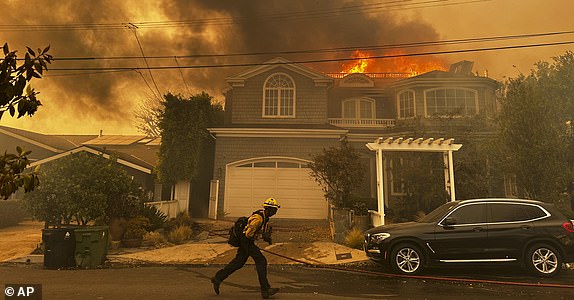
(155, 239)
(355, 238)
(180, 234)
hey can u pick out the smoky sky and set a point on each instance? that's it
(258, 26)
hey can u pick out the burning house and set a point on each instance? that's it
(280, 114)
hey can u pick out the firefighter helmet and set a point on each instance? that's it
(270, 202)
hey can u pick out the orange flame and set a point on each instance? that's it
(400, 64)
(359, 66)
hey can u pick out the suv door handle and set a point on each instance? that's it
(478, 229)
(526, 227)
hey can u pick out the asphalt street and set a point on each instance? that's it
(296, 282)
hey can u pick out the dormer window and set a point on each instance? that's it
(360, 108)
(406, 104)
(451, 102)
(279, 96)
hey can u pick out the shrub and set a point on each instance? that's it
(182, 219)
(136, 228)
(180, 234)
(354, 238)
(11, 213)
(156, 218)
(155, 239)
(360, 207)
(83, 188)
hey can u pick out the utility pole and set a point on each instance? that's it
(134, 29)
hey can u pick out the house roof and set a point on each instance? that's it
(125, 159)
(438, 76)
(54, 143)
(280, 131)
(324, 126)
(318, 77)
(133, 149)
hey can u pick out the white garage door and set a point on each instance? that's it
(249, 184)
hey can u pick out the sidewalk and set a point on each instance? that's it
(215, 250)
(307, 242)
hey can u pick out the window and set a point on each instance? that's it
(281, 164)
(507, 212)
(406, 104)
(359, 109)
(451, 101)
(469, 214)
(279, 96)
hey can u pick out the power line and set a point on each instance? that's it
(334, 12)
(328, 50)
(319, 60)
(134, 29)
(182, 77)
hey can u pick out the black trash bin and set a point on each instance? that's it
(59, 247)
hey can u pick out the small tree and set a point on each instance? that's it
(535, 136)
(338, 170)
(184, 134)
(148, 115)
(82, 188)
(16, 95)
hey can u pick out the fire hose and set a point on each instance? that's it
(434, 278)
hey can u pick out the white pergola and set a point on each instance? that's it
(446, 146)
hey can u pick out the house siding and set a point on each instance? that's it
(310, 101)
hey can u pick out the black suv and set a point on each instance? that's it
(530, 232)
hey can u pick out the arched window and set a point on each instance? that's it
(451, 101)
(359, 108)
(406, 104)
(279, 96)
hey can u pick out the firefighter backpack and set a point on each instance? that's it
(236, 231)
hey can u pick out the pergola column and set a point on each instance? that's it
(446, 147)
(380, 189)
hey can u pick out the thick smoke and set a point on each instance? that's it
(108, 99)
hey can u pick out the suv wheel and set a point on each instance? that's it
(407, 259)
(543, 260)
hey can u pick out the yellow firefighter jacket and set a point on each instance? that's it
(256, 225)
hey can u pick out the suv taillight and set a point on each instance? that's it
(569, 226)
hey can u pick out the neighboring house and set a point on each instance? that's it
(136, 154)
(279, 115)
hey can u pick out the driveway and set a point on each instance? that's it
(19, 241)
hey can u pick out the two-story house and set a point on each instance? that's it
(280, 114)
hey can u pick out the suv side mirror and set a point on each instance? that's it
(449, 221)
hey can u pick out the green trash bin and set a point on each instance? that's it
(91, 246)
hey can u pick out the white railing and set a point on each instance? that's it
(378, 123)
(169, 208)
(374, 75)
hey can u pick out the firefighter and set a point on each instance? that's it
(257, 225)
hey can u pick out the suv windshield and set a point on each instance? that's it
(435, 215)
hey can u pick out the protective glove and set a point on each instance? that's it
(267, 235)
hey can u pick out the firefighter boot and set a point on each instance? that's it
(268, 293)
(216, 284)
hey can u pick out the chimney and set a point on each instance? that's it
(101, 133)
(462, 67)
